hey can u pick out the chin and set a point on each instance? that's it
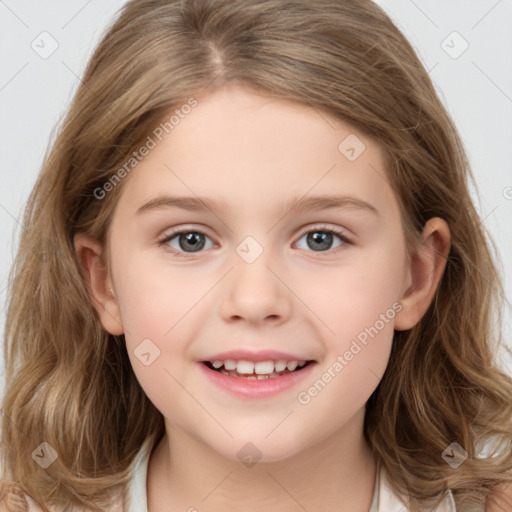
(258, 450)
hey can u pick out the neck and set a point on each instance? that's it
(336, 474)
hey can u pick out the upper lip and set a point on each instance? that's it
(247, 355)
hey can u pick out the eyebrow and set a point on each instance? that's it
(302, 204)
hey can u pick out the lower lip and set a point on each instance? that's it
(257, 388)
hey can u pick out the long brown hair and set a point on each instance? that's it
(70, 383)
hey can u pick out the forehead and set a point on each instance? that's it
(247, 151)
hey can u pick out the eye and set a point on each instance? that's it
(321, 238)
(183, 242)
(187, 241)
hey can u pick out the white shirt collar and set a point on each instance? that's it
(388, 501)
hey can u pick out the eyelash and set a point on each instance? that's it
(322, 229)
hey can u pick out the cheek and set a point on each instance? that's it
(357, 354)
(155, 315)
(157, 312)
(344, 383)
(361, 311)
(153, 297)
(354, 296)
(359, 303)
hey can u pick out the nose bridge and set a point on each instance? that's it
(252, 269)
(254, 291)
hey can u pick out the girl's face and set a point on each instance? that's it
(259, 271)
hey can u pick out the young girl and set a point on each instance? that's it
(325, 343)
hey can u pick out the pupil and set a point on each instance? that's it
(321, 238)
(191, 238)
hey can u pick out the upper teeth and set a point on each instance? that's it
(260, 368)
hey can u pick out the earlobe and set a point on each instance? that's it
(99, 284)
(426, 269)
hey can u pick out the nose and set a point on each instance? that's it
(256, 293)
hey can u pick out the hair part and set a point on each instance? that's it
(71, 384)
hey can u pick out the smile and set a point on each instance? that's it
(260, 370)
(260, 379)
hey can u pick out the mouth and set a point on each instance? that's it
(261, 370)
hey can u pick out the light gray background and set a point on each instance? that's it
(476, 88)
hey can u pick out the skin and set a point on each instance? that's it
(257, 154)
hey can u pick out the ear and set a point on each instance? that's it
(99, 284)
(424, 274)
